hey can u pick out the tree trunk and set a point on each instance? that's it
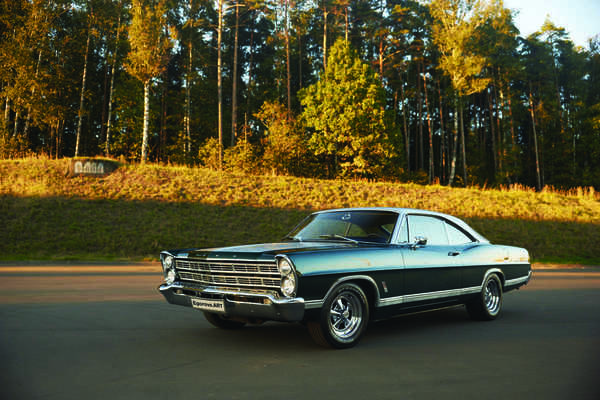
(28, 118)
(234, 77)
(325, 13)
(406, 138)
(347, 24)
(145, 132)
(58, 138)
(299, 61)
(287, 57)
(510, 113)
(431, 172)
(16, 127)
(463, 145)
(188, 99)
(109, 116)
(105, 96)
(81, 98)
(455, 143)
(442, 139)
(163, 119)
(112, 85)
(535, 144)
(500, 133)
(419, 149)
(7, 113)
(380, 60)
(492, 131)
(220, 83)
(249, 95)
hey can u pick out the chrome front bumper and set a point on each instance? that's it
(256, 306)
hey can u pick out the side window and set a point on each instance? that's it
(456, 236)
(430, 227)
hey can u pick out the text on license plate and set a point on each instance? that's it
(209, 305)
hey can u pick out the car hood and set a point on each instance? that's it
(261, 251)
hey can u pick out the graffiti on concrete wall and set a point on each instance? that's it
(91, 167)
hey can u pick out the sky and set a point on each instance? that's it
(581, 18)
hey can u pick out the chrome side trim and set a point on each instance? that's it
(440, 295)
(518, 281)
(409, 298)
(312, 304)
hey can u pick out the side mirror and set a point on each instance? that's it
(419, 241)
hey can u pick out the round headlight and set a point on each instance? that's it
(284, 267)
(168, 262)
(288, 285)
(170, 277)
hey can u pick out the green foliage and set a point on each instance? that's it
(208, 154)
(284, 147)
(346, 110)
(240, 158)
(12, 147)
(425, 51)
(149, 44)
(455, 24)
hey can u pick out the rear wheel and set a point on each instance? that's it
(343, 319)
(488, 303)
(223, 322)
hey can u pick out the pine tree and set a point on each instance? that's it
(346, 110)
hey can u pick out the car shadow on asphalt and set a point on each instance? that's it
(450, 323)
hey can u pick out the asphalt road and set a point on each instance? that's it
(98, 333)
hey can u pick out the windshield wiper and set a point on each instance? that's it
(336, 236)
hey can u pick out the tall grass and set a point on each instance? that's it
(140, 209)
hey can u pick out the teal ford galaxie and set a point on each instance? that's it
(339, 269)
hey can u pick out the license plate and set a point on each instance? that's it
(209, 305)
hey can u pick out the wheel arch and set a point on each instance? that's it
(496, 271)
(364, 282)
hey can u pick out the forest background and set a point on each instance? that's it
(443, 91)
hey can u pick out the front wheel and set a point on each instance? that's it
(222, 322)
(488, 303)
(344, 318)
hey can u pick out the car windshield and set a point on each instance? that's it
(350, 226)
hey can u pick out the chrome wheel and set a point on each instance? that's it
(492, 296)
(487, 304)
(345, 316)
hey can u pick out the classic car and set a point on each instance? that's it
(339, 269)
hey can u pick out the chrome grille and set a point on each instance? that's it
(238, 275)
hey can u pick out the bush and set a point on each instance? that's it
(240, 158)
(284, 147)
(208, 153)
(12, 146)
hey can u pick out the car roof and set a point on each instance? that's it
(407, 211)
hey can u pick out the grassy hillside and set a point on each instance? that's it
(139, 210)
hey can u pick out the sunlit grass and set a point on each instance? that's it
(141, 209)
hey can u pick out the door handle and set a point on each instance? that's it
(453, 253)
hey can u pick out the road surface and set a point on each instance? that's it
(104, 332)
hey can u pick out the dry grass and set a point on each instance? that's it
(151, 207)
